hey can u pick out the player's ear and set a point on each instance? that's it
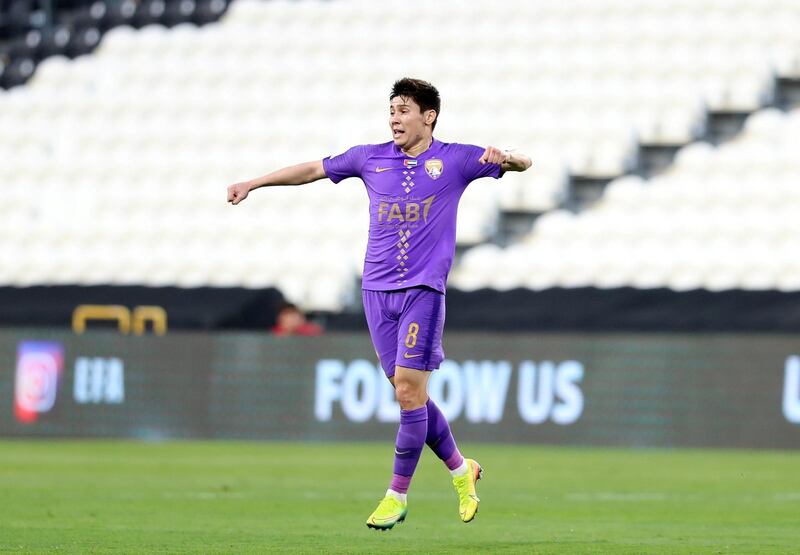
(430, 116)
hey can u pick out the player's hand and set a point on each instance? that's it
(238, 192)
(493, 155)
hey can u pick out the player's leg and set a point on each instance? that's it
(441, 441)
(423, 345)
(419, 351)
(423, 324)
(411, 392)
(465, 472)
(382, 311)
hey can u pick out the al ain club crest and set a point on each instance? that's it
(434, 167)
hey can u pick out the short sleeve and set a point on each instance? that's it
(471, 168)
(347, 164)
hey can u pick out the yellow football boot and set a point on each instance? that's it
(390, 511)
(465, 488)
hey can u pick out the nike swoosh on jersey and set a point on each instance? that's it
(380, 169)
(406, 355)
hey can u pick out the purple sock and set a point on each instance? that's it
(408, 447)
(440, 438)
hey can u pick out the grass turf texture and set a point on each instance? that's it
(239, 497)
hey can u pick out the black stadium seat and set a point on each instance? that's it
(54, 41)
(87, 15)
(27, 35)
(119, 14)
(17, 72)
(4, 61)
(18, 18)
(66, 5)
(208, 11)
(149, 11)
(24, 47)
(177, 12)
(83, 41)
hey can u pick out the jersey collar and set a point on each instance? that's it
(431, 150)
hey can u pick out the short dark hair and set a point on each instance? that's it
(421, 92)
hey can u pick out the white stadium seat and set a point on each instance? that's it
(136, 142)
(720, 218)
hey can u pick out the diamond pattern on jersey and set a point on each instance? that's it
(402, 247)
(408, 182)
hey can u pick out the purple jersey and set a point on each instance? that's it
(412, 208)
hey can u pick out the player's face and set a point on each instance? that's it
(409, 125)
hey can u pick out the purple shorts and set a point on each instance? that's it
(406, 327)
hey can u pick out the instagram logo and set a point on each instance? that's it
(39, 367)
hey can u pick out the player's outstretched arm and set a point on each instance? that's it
(509, 161)
(293, 175)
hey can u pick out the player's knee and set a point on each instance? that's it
(408, 395)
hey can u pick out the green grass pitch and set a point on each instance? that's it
(247, 497)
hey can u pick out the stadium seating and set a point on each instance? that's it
(121, 158)
(29, 32)
(721, 218)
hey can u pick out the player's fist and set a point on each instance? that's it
(238, 192)
(493, 155)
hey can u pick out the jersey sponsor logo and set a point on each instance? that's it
(434, 167)
(406, 355)
(380, 169)
(389, 211)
